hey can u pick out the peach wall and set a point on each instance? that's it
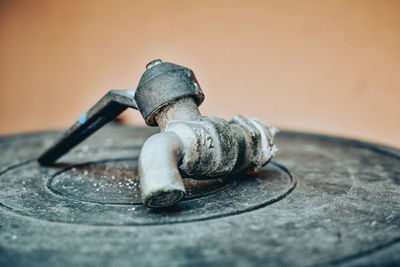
(323, 66)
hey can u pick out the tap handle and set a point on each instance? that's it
(105, 110)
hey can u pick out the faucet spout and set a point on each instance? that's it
(160, 181)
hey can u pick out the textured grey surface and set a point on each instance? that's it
(323, 201)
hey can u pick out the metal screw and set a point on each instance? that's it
(153, 63)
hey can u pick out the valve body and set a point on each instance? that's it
(190, 145)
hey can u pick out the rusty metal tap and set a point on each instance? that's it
(189, 145)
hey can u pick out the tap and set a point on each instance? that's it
(188, 145)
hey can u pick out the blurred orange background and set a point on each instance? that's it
(329, 67)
